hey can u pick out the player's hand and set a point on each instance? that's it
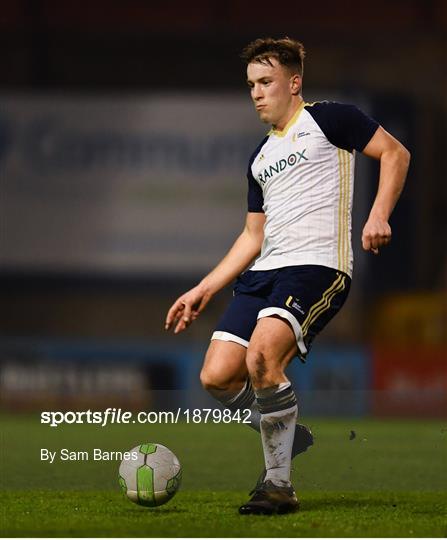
(376, 233)
(186, 309)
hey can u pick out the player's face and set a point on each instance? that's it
(273, 90)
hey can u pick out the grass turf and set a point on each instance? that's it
(387, 481)
(197, 513)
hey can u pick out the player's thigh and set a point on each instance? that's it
(224, 367)
(240, 318)
(307, 297)
(272, 347)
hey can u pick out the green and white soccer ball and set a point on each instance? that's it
(151, 476)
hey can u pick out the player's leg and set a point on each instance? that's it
(272, 346)
(305, 298)
(224, 373)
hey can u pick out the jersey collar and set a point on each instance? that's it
(283, 132)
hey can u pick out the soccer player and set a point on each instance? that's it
(298, 233)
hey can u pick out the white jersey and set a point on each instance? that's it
(302, 178)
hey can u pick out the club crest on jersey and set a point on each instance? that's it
(291, 160)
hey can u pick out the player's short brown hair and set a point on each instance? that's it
(288, 52)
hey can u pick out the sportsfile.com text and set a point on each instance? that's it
(118, 416)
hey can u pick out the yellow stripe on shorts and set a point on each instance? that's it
(324, 303)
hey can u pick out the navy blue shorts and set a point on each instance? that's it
(307, 296)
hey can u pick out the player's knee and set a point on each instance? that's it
(214, 381)
(207, 380)
(262, 372)
(257, 367)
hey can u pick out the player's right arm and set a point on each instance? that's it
(247, 246)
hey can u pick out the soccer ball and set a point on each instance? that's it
(151, 475)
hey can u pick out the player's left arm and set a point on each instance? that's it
(394, 161)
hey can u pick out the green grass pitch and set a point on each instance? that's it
(390, 480)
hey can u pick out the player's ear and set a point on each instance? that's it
(295, 84)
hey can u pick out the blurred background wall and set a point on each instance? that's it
(125, 130)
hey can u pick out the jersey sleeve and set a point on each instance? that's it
(255, 197)
(345, 126)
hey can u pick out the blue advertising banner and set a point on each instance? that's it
(333, 381)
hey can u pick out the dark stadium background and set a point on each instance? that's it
(87, 331)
